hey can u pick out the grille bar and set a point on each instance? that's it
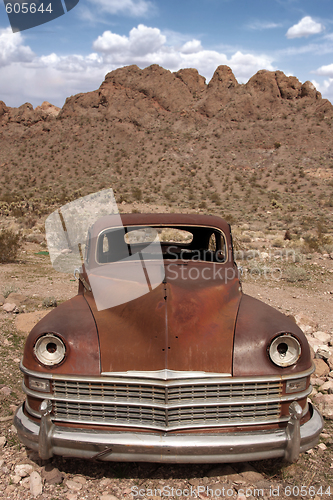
(168, 407)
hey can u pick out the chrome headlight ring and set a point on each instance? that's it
(50, 350)
(284, 350)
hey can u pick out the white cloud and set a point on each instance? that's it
(54, 77)
(191, 47)
(11, 48)
(307, 26)
(141, 41)
(326, 88)
(130, 7)
(325, 70)
(146, 46)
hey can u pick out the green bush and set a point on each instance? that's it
(10, 243)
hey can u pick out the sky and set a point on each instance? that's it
(74, 52)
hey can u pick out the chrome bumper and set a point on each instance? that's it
(49, 439)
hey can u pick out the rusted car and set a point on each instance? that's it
(161, 357)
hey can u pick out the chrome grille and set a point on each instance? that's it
(167, 405)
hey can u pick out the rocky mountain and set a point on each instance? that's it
(172, 140)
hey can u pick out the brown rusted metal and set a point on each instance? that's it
(74, 322)
(257, 324)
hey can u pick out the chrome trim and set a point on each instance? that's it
(164, 374)
(200, 402)
(185, 403)
(122, 376)
(167, 448)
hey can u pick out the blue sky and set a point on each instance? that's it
(73, 53)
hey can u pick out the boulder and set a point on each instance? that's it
(324, 403)
(308, 90)
(48, 109)
(36, 486)
(16, 298)
(9, 307)
(25, 322)
(322, 369)
(323, 337)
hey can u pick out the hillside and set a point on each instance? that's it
(260, 151)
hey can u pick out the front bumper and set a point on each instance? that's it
(49, 439)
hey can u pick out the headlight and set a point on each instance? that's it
(285, 350)
(50, 350)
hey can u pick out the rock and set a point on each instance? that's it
(16, 298)
(73, 485)
(6, 391)
(252, 476)
(313, 343)
(3, 108)
(15, 479)
(289, 86)
(80, 479)
(105, 482)
(52, 475)
(308, 90)
(25, 322)
(224, 471)
(8, 307)
(3, 441)
(324, 403)
(322, 336)
(108, 497)
(322, 369)
(2, 299)
(48, 108)
(195, 82)
(323, 352)
(23, 470)
(36, 486)
(327, 386)
(26, 483)
(317, 381)
(35, 238)
(322, 446)
(330, 362)
(307, 324)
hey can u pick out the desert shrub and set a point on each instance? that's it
(215, 198)
(295, 274)
(10, 243)
(8, 289)
(278, 243)
(50, 302)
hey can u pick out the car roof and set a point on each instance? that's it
(146, 219)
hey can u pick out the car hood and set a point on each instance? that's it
(186, 323)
